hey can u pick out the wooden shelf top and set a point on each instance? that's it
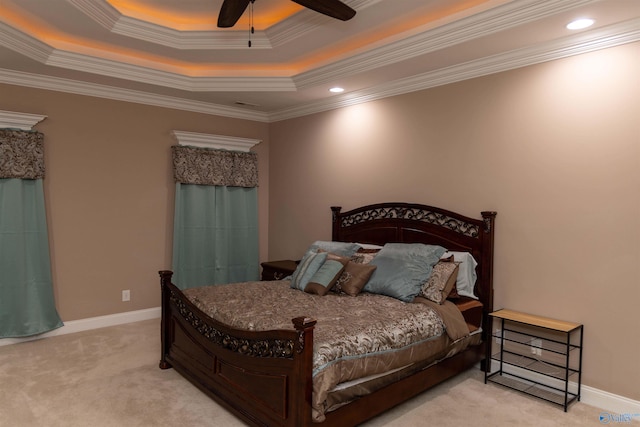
(531, 319)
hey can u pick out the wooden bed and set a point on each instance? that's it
(265, 378)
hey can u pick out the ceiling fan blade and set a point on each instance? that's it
(333, 8)
(231, 11)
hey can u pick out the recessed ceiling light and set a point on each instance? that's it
(579, 24)
(336, 90)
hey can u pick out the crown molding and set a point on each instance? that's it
(22, 121)
(220, 142)
(602, 38)
(281, 33)
(469, 28)
(45, 54)
(57, 84)
(611, 36)
(110, 68)
(24, 44)
(100, 11)
(189, 40)
(484, 23)
(111, 19)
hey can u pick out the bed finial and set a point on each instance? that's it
(488, 217)
(335, 211)
(165, 277)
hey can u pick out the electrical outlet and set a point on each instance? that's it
(536, 346)
(126, 295)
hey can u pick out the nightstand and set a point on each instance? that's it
(536, 355)
(278, 270)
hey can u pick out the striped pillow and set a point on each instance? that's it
(327, 275)
(310, 264)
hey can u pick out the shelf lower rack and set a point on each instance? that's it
(532, 388)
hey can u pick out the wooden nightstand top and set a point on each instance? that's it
(283, 264)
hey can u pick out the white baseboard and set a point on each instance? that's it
(91, 323)
(611, 404)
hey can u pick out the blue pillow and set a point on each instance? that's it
(308, 266)
(402, 268)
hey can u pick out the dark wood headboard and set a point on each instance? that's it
(415, 223)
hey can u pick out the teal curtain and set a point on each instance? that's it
(215, 236)
(27, 304)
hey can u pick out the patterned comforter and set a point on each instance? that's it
(353, 338)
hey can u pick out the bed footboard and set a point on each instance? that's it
(262, 377)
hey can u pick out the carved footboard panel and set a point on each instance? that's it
(263, 377)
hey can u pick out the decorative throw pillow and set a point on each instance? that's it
(354, 277)
(310, 263)
(442, 280)
(402, 269)
(466, 281)
(364, 256)
(327, 275)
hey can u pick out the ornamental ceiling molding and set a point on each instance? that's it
(45, 54)
(472, 27)
(279, 34)
(220, 142)
(22, 121)
(111, 19)
(607, 37)
(469, 28)
(59, 84)
(121, 70)
(25, 44)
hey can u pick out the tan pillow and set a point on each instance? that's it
(354, 277)
(364, 256)
(453, 294)
(441, 282)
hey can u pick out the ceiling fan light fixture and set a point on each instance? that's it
(336, 90)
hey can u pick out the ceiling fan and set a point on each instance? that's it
(231, 10)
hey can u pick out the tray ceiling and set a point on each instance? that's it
(170, 52)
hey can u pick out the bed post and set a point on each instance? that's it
(488, 218)
(165, 280)
(304, 381)
(335, 223)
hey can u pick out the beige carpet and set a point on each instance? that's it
(110, 377)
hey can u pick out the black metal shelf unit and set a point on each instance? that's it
(535, 355)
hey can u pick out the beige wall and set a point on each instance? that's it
(553, 148)
(109, 194)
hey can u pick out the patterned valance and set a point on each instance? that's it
(21, 154)
(205, 166)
